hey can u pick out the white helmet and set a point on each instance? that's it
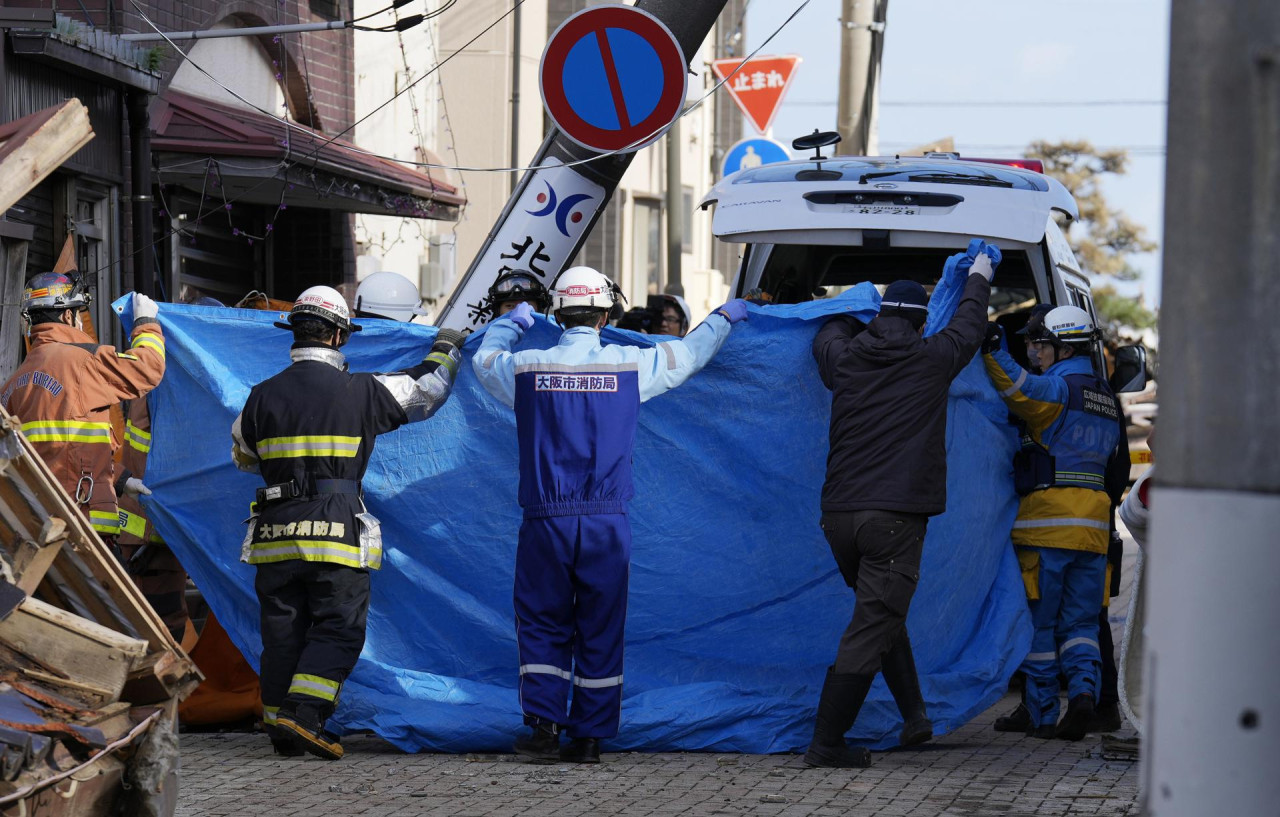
(388, 295)
(1068, 324)
(324, 303)
(583, 287)
(683, 307)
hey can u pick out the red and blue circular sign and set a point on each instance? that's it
(613, 78)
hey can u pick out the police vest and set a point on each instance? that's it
(576, 426)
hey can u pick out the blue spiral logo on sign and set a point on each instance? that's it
(613, 78)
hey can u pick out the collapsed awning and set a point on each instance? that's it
(253, 158)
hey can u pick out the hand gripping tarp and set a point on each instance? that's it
(736, 605)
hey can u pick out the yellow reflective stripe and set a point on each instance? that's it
(308, 550)
(137, 438)
(67, 431)
(132, 523)
(445, 361)
(317, 445)
(269, 715)
(152, 341)
(315, 686)
(104, 521)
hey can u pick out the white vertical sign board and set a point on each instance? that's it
(540, 234)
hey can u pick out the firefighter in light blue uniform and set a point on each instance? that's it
(576, 410)
(1063, 525)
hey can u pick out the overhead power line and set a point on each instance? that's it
(997, 103)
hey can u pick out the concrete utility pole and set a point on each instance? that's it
(860, 36)
(1213, 648)
(689, 22)
(675, 213)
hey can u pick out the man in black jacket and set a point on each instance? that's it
(886, 475)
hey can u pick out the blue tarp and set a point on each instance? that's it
(736, 605)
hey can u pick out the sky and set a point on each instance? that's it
(988, 51)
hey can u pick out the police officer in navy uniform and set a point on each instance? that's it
(1063, 529)
(309, 431)
(576, 408)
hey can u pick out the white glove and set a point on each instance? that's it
(144, 307)
(133, 486)
(981, 266)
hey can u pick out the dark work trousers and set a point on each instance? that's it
(878, 553)
(1109, 689)
(313, 619)
(571, 611)
(162, 580)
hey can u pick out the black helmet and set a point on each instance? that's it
(518, 285)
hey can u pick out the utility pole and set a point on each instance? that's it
(675, 213)
(1213, 648)
(689, 22)
(861, 34)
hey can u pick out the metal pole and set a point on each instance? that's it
(515, 97)
(857, 18)
(254, 31)
(1213, 650)
(144, 271)
(675, 213)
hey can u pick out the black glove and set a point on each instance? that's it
(449, 339)
(991, 342)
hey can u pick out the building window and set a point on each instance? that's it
(328, 9)
(646, 269)
(686, 220)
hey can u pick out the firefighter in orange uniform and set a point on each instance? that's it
(63, 391)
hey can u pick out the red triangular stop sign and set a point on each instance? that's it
(758, 86)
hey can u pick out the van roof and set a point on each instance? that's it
(932, 194)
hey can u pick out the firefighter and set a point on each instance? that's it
(576, 408)
(153, 566)
(309, 431)
(64, 390)
(514, 288)
(1062, 531)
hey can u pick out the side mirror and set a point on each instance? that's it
(1130, 373)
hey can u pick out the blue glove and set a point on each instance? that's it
(733, 311)
(521, 316)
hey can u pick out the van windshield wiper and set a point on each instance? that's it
(879, 175)
(959, 178)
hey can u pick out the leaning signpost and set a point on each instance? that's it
(613, 80)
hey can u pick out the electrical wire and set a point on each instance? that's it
(995, 103)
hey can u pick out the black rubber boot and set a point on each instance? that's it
(899, 669)
(542, 745)
(1075, 723)
(310, 734)
(581, 750)
(1019, 720)
(842, 697)
(1106, 718)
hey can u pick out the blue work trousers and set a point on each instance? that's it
(571, 610)
(1065, 617)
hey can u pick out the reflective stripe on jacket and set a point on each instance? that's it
(1073, 415)
(63, 393)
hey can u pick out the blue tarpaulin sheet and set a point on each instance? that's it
(736, 605)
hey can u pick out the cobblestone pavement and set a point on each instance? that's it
(974, 772)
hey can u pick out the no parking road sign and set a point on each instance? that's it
(613, 78)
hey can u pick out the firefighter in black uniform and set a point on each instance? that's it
(310, 432)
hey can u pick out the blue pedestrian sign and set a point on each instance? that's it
(613, 78)
(753, 152)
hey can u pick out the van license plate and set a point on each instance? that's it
(883, 209)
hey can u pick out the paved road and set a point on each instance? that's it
(974, 772)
